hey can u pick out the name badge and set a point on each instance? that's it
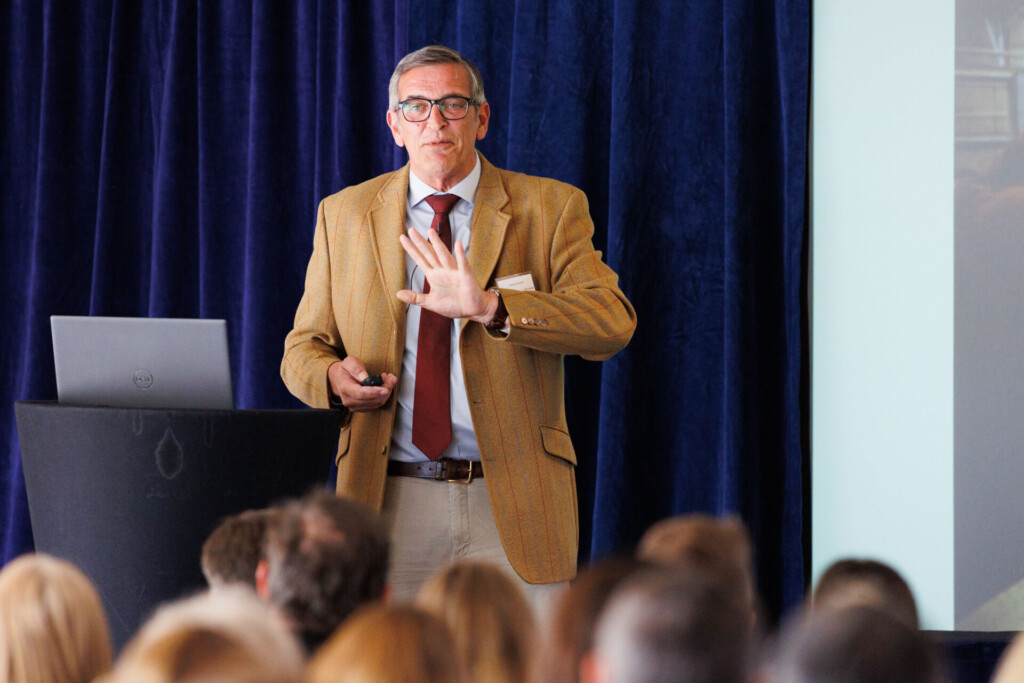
(523, 282)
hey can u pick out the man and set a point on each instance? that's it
(718, 545)
(855, 582)
(859, 644)
(326, 556)
(671, 624)
(234, 549)
(470, 370)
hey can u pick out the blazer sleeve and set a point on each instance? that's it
(585, 312)
(314, 342)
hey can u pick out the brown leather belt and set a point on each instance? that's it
(461, 471)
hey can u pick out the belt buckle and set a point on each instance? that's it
(467, 480)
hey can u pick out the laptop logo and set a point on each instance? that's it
(142, 378)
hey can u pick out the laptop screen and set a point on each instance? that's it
(142, 362)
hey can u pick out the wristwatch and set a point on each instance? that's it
(500, 315)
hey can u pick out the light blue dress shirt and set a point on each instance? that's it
(419, 215)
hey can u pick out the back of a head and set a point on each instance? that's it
(389, 644)
(719, 545)
(670, 625)
(1011, 664)
(858, 645)
(490, 618)
(235, 547)
(570, 632)
(857, 582)
(52, 625)
(326, 557)
(228, 636)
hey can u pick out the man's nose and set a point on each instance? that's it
(435, 118)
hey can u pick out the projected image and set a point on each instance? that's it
(989, 317)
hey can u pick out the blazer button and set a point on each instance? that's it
(543, 323)
(526, 321)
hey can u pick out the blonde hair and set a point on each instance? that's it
(227, 636)
(52, 625)
(388, 644)
(488, 614)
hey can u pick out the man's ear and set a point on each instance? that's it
(262, 588)
(483, 116)
(396, 132)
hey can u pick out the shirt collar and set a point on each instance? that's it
(465, 189)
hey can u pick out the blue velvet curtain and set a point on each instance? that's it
(166, 159)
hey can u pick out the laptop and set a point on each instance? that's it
(142, 362)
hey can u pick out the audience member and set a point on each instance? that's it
(855, 644)
(226, 636)
(569, 635)
(490, 618)
(853, 582)
(235, 548)
(671, 625)
(719, 546)
(389, 644)
(52, 625)
(325, 556)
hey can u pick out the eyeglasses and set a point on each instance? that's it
(452, 108)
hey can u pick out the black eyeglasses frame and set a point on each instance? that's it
(437, 103)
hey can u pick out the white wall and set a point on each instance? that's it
(882, 290)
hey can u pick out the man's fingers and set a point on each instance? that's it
(460, 258)
(407, 296)
(345, 377)
(413, 251)
(420, 250)
(367, 395)
(441, 254)
(360, 398)
(355, 368)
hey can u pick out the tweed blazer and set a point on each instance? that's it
(514, 382)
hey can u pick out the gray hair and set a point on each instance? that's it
(674, 625)
(326, 557)
(436, 54)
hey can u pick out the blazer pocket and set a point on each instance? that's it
(557, 443)
(344, 439)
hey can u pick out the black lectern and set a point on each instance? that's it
(129, 495)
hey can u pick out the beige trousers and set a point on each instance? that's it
(434, 523)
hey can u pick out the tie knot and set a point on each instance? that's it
(442, 203)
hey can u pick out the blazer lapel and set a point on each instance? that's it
(386, 222)
(490, 221)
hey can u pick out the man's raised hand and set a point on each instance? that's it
(454, 292)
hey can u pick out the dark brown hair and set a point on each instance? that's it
(719, 545)
(573, 619)
(235, 547)
(852, 582)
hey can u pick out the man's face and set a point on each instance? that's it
(441, 152)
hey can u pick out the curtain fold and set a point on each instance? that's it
(166, 159)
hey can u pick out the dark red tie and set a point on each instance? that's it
(431, 409)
